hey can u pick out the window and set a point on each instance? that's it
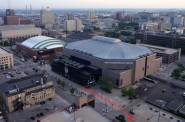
(117, 82)
(121, 83)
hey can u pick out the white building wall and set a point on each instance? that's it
(47, 17)
(178, 21)
(73, 25)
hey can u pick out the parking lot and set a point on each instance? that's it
(38, 110)
(150, 113)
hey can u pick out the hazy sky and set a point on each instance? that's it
(95, 3)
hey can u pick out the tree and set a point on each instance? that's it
(131, 92)
(58, 81)
(6, 43)
(112, 34)
(96, 28)
(124, 91)
(72, 90)
(183, 77)
(176, 73)
(121, 118)
(126, 33)
(63, 83)
(106, 85)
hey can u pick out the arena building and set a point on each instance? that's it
(122, 63)
(41, 47)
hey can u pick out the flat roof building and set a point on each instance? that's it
(18, 32)
(122, 63)
(169, 55)
(24, 92)
(6, 60)
(85, 114)
(42, 47)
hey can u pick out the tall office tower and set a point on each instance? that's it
(120, 15)
(90, 14)
(10, 18)
(47, 18)
(69, 16)
(73, 25)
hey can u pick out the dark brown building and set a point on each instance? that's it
(10, 18)
(25, 22)
(164, 40)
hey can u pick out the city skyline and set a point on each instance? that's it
(19, 4)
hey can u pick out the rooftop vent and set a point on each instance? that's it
(106, 39)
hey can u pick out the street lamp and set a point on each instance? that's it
(161, 103)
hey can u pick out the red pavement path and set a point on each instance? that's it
(129, 117)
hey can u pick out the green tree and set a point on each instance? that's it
(112, 34)
(131, 92)
(63, 83)
(105, 84)
(126, 33)
(6, 43)
(176, 73)
(58, 81)
(121, 118)
(124, 91)
(72, 90)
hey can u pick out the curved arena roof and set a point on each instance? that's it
(43, 42)
(108, 48)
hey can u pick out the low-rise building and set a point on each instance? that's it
(152, 26)
(6, 60)
(22, 93)
(168, 55)
(14, 32)
(165, 26)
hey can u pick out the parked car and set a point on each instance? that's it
(32, 118)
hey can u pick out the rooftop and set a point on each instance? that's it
(43, 42)
(108, 48)
(3, 52)
(15, 27)
(80, 36)
(158, 49)
(15, 86)
(85, 114)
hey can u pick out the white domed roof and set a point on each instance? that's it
(109, 48)
(43, 42)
